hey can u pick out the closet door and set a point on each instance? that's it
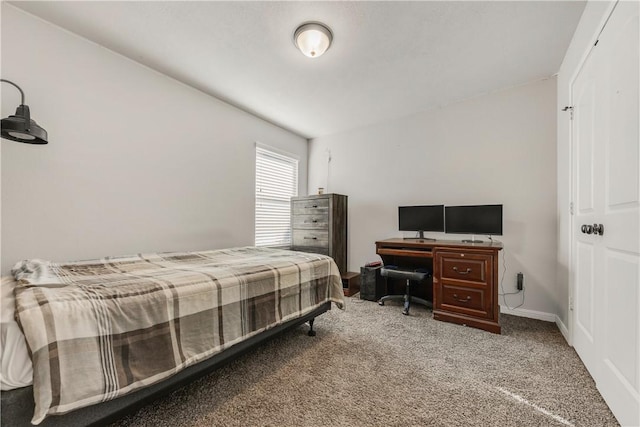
(606, 190)
(586, 110)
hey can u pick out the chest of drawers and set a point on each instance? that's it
(319, 225)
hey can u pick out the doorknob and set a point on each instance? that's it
(598, 229)
(586, 229)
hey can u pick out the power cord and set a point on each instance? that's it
(504, 294)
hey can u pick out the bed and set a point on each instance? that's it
(106, 336)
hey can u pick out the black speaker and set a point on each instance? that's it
(371, 283)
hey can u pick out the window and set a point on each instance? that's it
(276, 183)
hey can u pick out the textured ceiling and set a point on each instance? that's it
(388, 59)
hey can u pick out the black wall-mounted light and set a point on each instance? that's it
(20, 127)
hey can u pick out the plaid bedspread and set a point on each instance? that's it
(100, 329)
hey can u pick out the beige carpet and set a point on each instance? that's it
(372, 366)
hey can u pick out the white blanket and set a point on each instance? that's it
(17, 369)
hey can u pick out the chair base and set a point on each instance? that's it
(408, 299)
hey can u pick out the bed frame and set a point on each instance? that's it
(18, 405)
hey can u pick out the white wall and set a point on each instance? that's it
(497, 148)
(136, 161)
(591, 22)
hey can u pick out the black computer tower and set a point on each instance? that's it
(371, 283)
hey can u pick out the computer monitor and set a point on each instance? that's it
(421, 218)
(480, 219)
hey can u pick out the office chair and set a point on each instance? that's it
(408, 275)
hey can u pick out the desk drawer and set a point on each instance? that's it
(474, 302)
(315, 222)
(310, 207)
(465, 267)
(310, 238)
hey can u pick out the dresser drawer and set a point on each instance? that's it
(465, 267)
(310, 207)
(314, 222)
(474, 302)
(311, 249)
(310, 238)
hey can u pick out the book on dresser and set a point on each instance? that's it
(319, 225)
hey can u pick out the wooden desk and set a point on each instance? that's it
(465, 277)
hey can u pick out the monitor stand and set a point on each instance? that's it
(420, 237)
(472, 240)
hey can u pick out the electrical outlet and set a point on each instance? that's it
(520, 281)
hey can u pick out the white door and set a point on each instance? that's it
(606, 190)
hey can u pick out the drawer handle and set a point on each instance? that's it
(311, 207)
(310, 238)
(462, 272)
(467, 299)
(312, 221)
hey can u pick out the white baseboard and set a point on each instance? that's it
(532, 314)
(539, 315)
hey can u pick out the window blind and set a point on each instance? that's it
(276, 183)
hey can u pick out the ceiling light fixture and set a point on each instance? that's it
(312, 38)
(20, 127)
